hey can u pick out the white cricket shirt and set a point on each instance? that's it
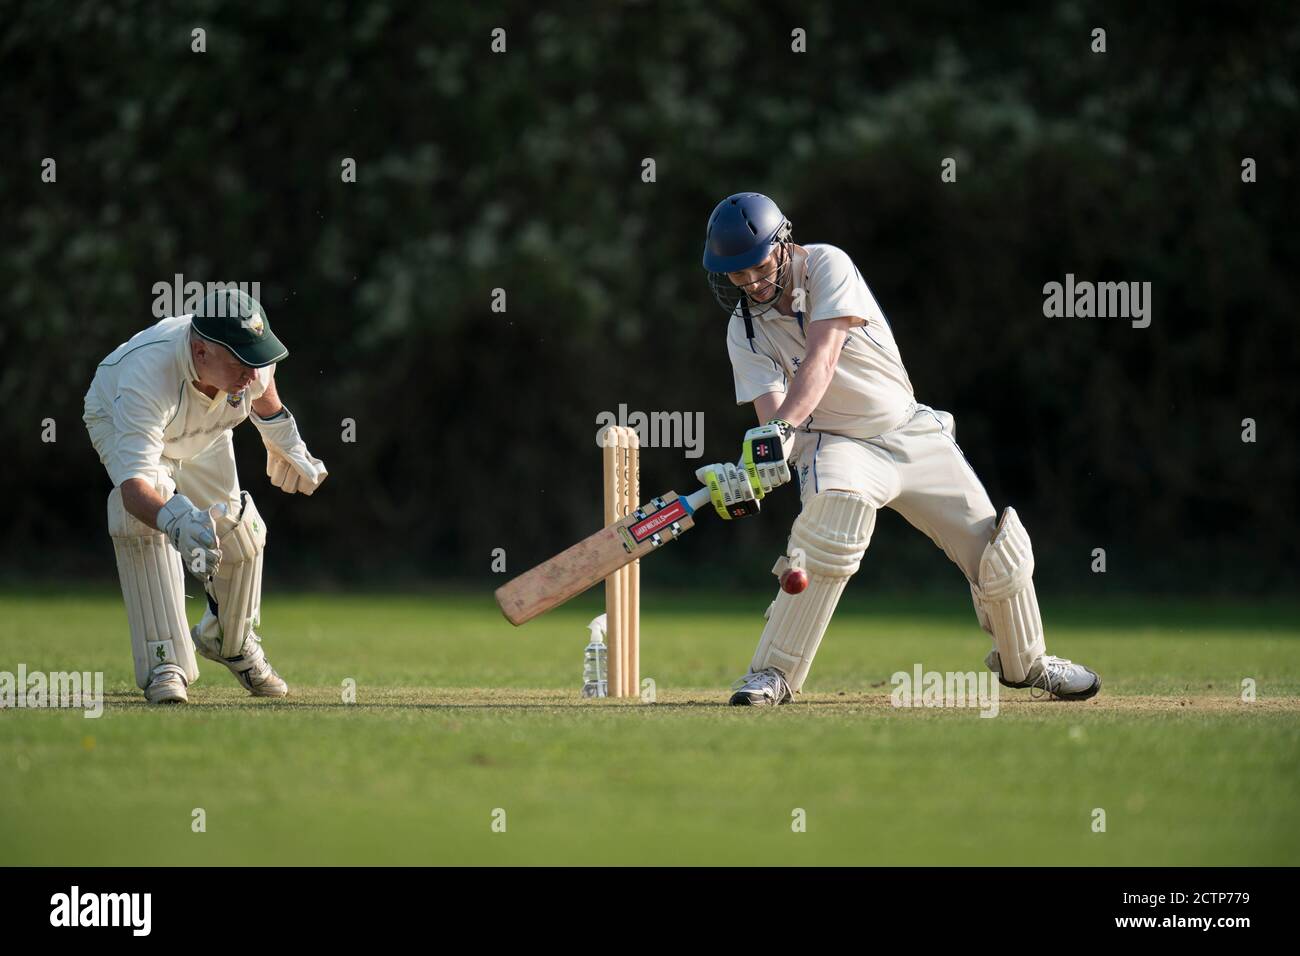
(870, 392)
(146, 389)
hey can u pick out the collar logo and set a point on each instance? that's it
(253, 323)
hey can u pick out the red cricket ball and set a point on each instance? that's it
(794, 580)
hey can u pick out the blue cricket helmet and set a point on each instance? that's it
(743, 230)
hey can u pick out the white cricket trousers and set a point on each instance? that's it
(917, 470)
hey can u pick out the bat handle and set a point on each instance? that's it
(697, 500)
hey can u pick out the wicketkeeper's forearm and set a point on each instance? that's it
(142, 501)
(268, 403)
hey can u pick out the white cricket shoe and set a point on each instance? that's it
(167, 686)
(767, 688)
(1058, 677)
(250, 666)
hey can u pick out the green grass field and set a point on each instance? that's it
(459, 714)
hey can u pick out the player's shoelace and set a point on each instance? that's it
(169, 678)
(766, 679)
(259, 669)
(1053, 675)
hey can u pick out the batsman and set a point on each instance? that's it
(160, 411)
(811, 349)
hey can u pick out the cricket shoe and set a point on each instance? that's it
(767, 688)
(167, 686)
(1056, 676)
(250, 666)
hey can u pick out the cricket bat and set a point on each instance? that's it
(592, 560)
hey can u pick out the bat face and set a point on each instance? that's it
(593, 559)
(650, 521)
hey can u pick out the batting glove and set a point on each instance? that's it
(729, 490)
(764, 453)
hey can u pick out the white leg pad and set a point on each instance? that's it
(1005, 600)
(236, 588)
(833, 532)
(980, 614)
(153, 586)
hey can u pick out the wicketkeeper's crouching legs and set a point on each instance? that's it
(227, 631)
(832, 532)
(152, 578)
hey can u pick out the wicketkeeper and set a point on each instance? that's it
(160, 412)
(812, 350)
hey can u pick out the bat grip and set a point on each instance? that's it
(697, 499)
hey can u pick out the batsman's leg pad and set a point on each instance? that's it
(833, 532)
(235, 591)
(1005, 598)
(153, 587)
(980, 613)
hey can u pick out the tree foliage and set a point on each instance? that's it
(522, 171)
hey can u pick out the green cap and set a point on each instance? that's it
(233, 318)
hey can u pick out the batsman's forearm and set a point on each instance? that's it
(141, 501)
(806, 391)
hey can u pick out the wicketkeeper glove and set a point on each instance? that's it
(193, 533)
(289, 465)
